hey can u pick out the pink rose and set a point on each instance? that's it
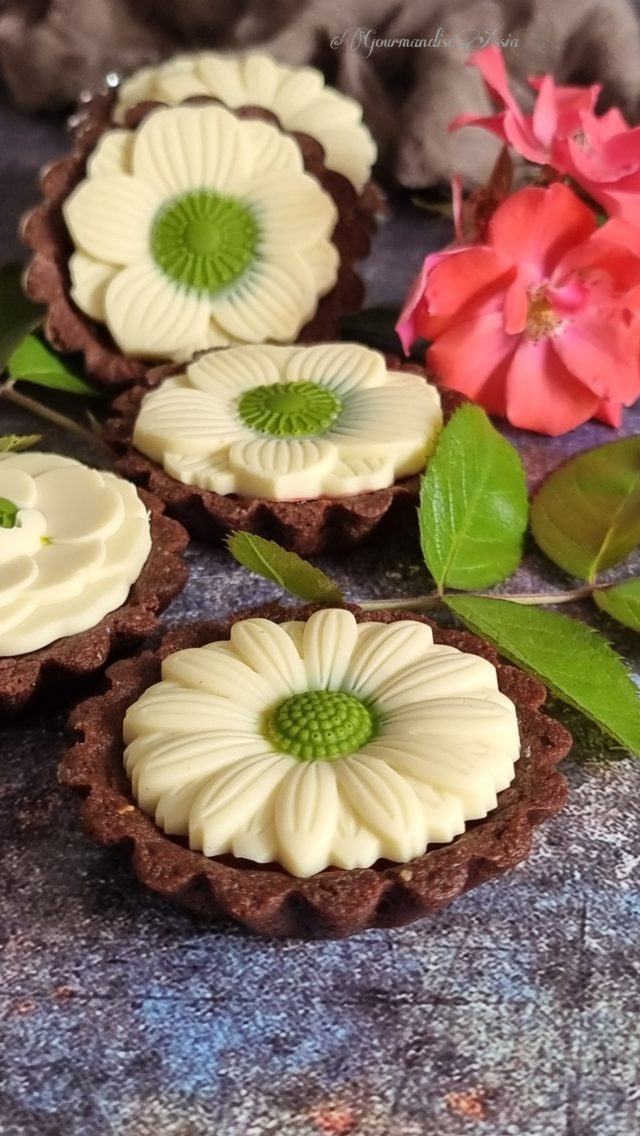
(541, 322)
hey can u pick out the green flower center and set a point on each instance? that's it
(204, 241)
(8, 514)
(321, 725)
(289, 409)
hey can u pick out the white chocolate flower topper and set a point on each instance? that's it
(72, 542)
(290, 423)
(199, 230)
(319, 743)
(296, 95)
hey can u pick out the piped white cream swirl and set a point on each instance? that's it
(77, 542)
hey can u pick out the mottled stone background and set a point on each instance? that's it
(513, 1013)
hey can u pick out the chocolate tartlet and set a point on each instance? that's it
(60, 663)
(50, 278)
(335, 902)
(310, 526)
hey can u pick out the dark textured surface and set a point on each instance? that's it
(512, 1013)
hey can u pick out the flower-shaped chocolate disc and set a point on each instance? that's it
(321, 742)
(72, 542)
(199, 230)
(296, 95)
(290, 423)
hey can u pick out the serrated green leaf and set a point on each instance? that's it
(473, 505)
(586, 516)
(621, 602)
(573, 660)
(18, 315)
(16, 442)
(34, 362)
(287, 569)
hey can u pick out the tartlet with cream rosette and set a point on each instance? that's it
(317, 771)
(313, 446)
(194, 227)
(86, 564)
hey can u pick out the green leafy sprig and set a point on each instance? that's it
(473, 516)
(25, 358)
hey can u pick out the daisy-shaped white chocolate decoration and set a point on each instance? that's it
(296, 95)
(199, 230)
(289, 423)
(320, 743)
(72, 542)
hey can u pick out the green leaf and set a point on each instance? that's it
(287, 569)
(8, 513)
(33, 362)
(572, 659)
(17, 442)
(18, 316)
(621, 602)
(473, 505)
(586, 516)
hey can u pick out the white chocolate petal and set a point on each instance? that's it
(62, 569)
(55, 621)
(341, 367)
(273, 300)
(306, 814)
(230, 798)
(295, 630)
(173, 808)
(378, 651)
(359, 474)
(223, 78)
(442, 766)
(290, 209)
(330, 636)
(300, 87)
(12, 615)
(272, 151)
(323, 259)
(257, 840)
(279, 469)
(385, 803)
(34, 463)
(149, 316)
(159, 764)
(354, 845)
(18, 487)
(179, 757)
(211, 472)
(137, 89)
(261, 77)
(229, 373)
(26, 536)
(350, 151)
(174, 86)
(89, 282)
(110, 218)
(112, 154)
(266, 648)
(217, 336)
(169, 708)
(407, 410)
(225, 676)
(181, 149)
(62, 500)
(15, 576)
(184, 422)
(442, 672)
